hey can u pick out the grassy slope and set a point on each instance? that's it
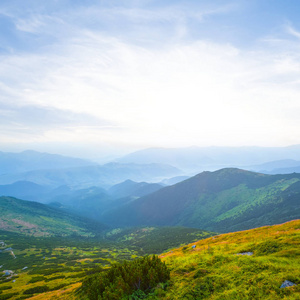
(213, 270)
(40, 220)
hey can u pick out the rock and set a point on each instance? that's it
(287, 283)
(8, 272)
(245, 253)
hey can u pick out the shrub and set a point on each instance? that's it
(37, 289)
(127, 278)
(55, 277)
(36, 279)
(267, 247)
(8, 296)
(2, 288)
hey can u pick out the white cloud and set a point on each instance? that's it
(291, 30)
(178, 92)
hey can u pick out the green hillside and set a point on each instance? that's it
(250, 265)
(37, 219)
(216, 269)
(155, 240)
(221, 201)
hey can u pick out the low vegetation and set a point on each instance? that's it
(155, 240)
(126, 280)
(45, 265)
(249, 264)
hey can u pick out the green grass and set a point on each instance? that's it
(51, 261)
(213, 270)
(155, 240)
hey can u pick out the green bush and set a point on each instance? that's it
(58, 287)
(124, 279)
(267, 247)
(55, 277)
(2, 288)
(7, 296)
(37, 289)
(36, 279)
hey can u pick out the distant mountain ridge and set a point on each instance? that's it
(222, 201)
(134, 189)
(197, 159)
(25, 190)
(285, 166)
(94, 201)
(94, 175)
(30, 160)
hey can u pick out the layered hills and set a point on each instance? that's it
(67, 240)
(197, 159)
(96, 175)
(92, 202)
(30, 160)
(221, 201)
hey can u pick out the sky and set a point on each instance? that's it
(102, 78)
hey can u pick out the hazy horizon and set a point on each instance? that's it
(119, 156)
(101, 79)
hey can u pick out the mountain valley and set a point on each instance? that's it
(69, 224)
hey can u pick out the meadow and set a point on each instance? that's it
(46, 265)
(217, 269)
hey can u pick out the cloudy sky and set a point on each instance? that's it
(104, 77)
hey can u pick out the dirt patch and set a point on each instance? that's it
(25, 224)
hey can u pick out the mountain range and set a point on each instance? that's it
(221, 201)
(95, 175)
(119, 195)
(30, 160)
(93, 216)
(196, 159)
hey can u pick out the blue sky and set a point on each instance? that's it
(95, 78)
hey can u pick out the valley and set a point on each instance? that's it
(45, 264)
(61, 229)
